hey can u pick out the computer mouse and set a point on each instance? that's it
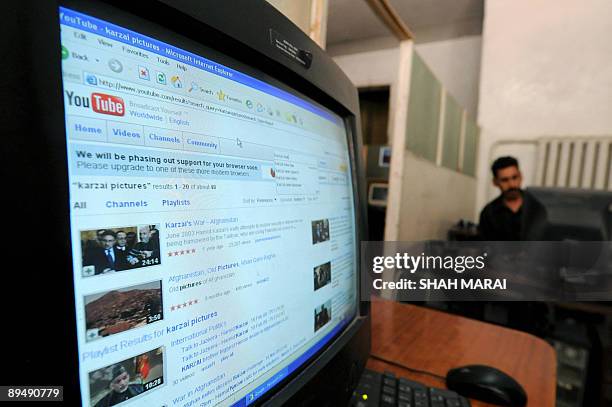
(487, 384)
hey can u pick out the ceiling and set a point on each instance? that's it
(352, 21)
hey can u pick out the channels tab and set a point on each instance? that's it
(164, 138)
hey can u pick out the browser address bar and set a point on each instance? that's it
(133, 89)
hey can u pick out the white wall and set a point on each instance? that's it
(421, 190)
(456, 63)
(424, 200)
(309, 15)
(433, 199)
(296, 11)
(370, 68)
(545, 71)
(373, 69)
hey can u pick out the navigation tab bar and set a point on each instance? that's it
(88, 129)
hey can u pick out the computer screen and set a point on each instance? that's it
(570, 214)
(212, 218)
(377, 194)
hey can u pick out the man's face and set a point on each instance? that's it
(108, 241)
(121, 239)
(120, 383)
(509, 180)
(145, 234)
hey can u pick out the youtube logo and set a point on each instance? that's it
(107, 104)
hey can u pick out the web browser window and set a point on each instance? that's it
(212, 222)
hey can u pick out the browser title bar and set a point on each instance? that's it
(96, 26)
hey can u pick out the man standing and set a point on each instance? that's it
(106, 258)
(121, 241)
(514, 214)
(122, 251)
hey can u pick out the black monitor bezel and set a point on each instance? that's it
(319, 83)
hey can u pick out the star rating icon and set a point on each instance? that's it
(185, 304)
(181, 252)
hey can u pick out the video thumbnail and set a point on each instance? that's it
(110, 312)
(320, 231)
(322, 275)
(118, 249)
(322, 315)
(122, 381)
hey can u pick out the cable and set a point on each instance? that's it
(423, 372)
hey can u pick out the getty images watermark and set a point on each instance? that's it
(413, 264)
(487, 271)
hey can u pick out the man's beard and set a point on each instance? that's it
(512, 193)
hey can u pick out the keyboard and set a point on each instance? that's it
(385, 390)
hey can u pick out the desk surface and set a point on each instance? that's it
(434, 341)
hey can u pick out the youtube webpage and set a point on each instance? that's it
(212, 222)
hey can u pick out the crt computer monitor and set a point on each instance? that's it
(572, 214)
(192, 170)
